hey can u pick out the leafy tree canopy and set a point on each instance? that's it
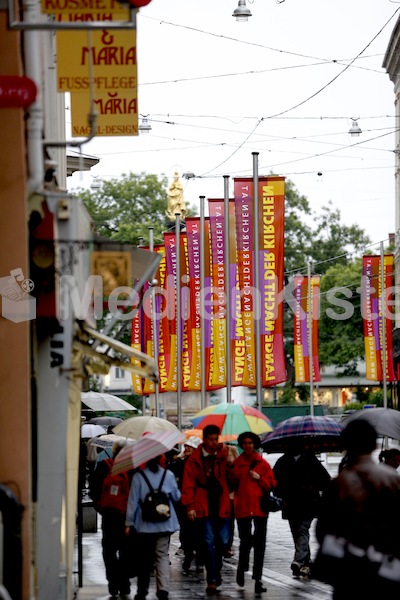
(341, 340)
(319, 237)
(124, 209)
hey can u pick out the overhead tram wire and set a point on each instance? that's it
(343, 255)
(337, 76)
(262, 46)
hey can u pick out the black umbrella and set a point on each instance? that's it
(385, 420)
(105, 421)
(317, 433)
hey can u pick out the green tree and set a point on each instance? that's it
(341, 340)
(319, 237)
(124, 209)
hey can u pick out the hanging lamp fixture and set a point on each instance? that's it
(241, 13)
(355, 129)
(144, 126)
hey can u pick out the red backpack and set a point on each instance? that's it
(115, 489)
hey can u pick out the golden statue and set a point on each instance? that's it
(176, 201)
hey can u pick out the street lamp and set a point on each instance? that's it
(242, 13)
(144, 126)
(355, 129)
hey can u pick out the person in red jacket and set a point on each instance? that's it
(252, 476)
(205, 496)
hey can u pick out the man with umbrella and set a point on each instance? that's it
(301, 479)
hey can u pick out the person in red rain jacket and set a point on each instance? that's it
(252, 476)
(205, 496)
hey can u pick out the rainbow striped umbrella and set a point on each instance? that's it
(138, 452)
(233, 419)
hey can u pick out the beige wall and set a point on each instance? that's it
(14, 337)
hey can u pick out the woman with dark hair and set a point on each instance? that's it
(251, 476)
(390, 457)
(153, 538)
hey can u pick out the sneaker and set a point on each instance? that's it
(295, 566)
(211, 588)
(305, 571)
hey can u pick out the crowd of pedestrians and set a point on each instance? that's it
(209, 487)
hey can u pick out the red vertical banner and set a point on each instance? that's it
(218, 280)
(375, 308)
(301, 328)
(170, 256)
(194, 261)
(243, 192)
(271, 205)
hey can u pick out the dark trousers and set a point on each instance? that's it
(115, 551)
(249, 538)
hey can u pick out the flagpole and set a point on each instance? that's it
(154, 326)
(227, 293)
(310, 338)
(202, 303)
(178, 322)
(383, 321)
(257, 303)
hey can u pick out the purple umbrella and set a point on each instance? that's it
(320, 434)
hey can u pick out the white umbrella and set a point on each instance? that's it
(135, 427)
(107, 441)
(103, 402)
(147, 447)
(89, 430)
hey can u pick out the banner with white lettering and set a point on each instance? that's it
(243, 191)
(301, 328)
(194, 260)
(375, 307)
(170, 257)
(271, 206)
(218, 281)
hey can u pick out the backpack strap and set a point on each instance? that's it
(143, 474)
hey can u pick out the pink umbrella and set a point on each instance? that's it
(147, 447)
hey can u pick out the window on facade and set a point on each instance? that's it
(119, 373)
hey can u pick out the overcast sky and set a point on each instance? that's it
(285, 84)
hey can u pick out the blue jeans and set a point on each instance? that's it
(216, 534)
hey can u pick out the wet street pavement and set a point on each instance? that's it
(277, 575)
